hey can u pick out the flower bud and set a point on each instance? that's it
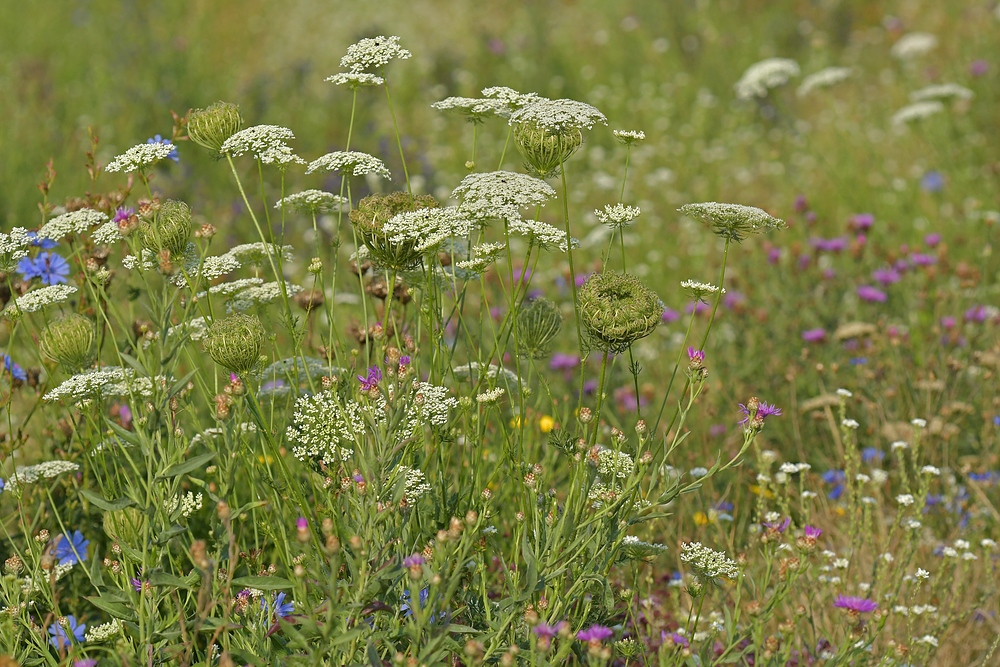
(537, 324)
(371, 215)
(169, 230)
(234, 342)
(69, 341)
(544, 151)
(209, 128)
(617, 310)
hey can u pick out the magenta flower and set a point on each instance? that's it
(978, 67)
(855, 604)
(675, 637)
(814, 335)
(122, 214)
(977, 314)
(546, 630)
(923, 259)
(670, 315)
(871, 294)
(948, 322)
(697, 356)
(595, 633)
(886, 277)
(371, 381)
(302, 523)
(801, 204)
(812, 532)
(773, 255)
(564, 362)
(414, 560)
(932, 240)
(764, 409)
(862, 222)
(780, 527)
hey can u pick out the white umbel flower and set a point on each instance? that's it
(629, 137)
(510, 99)
(913, 45)
(312, 201)
(349, 163)
(501, 194)
(698, 290)
(104, 632)
(264, 142)
(558, 116)
(942, 91)
(355, 79)
(732, 221)
(481, 257)
(373, 53)
(708, 562)
(916, 111)
(257, 253)
(617, 215)
(427, 228)
(140, 157)
(475, 110)
(761, 77)
(37, 299)
(824, 78)
(74, 222)
(490, 396)
(31, 474)
(13, 247)
(541, 234)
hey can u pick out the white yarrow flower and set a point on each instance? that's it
(491, 396)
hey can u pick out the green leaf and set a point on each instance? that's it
(115, 609)
(173, 531)
(106, 505)
(173, 581)
(373, 658)
(123, 434)
(180, 384)
(185, 467)
(249, 506)
(133, 362)
(263, 583)
(531, 565)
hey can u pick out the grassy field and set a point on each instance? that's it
(543, 513)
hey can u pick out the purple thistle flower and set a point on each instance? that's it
(697, 356)
(733, 299)
(595, 633)
(764, 409)
(780, 527)
(855, 604)
(564, 362)
(801, 204)
(978, 67)
(123, 213)
(302, 523)
(414, 560)
(670, 315)
(862, 222)
(812, 532)
(886, 277)
(676, 638)
(62, 639)
(932, 240)
(977, 314)
(371, 381)
(546, 630)
(948, 322)
(85, 662)
(923, 259)
(871, 294)
(773, 255)
(814, 335)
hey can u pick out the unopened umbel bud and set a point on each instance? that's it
(69, 341)
(209, 128)
(234, 342)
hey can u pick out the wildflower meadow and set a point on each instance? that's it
(448, 333)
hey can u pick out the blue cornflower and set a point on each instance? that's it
(836, 478)
(281, 609)
(166, 142)
(43, 243)
(405, 607)
(996, 420)
(872, 455)
(14, 369)
(71, 550)
(62, 639)
(932, 181)
(50, 267)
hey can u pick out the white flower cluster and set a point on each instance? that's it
(103, 632)
(264, 142)
(629, 137)
(541, 234)
(501, 194)
(558, 116)
(792, 468)
(474, 109)
(510, 100)
(107, 234)
(617, 215)
(13, 247)
(107, 381)
(490, 396)
(140, 157)
(481, 257)
(189, 504)
(698, 290)
(257, 253)
(320, 423)
(733, 220)
(429, 406)
(709, 563)
(195, 329)
(353, 163)
(74, 222)
(905, 499)
(612, 464)
(31, 474)
(373, 53)
(916, 111)
(824, 79)
(415, 484)
(355, 79)
(942, 91)
(37, 299)
(264, 293)
(470, 371)
(312, 201)
(913, 45)
(33, 584)
(761, 77)
(235, 286)
(427, 228)
(636, 549)
(207, 269)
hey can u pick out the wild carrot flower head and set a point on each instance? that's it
(617, 309)
(141, 157)
(732, 221)
(373, 53)
(762, 76)
(211, 127)
(501, 195)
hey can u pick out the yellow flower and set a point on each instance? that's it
(269, 459)
(546, 423)
(754, 489)
(515, 422)
(700, 519)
